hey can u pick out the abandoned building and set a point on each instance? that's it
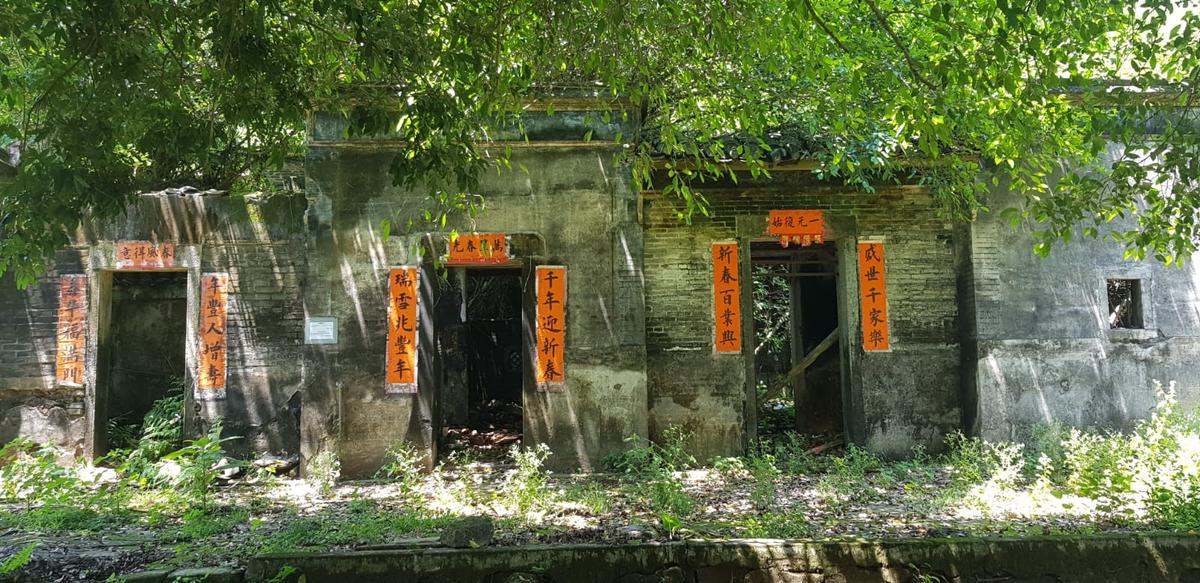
(582, 310)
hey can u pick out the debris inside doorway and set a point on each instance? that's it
(494, 426)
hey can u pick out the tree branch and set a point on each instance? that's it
(825, 27)
(887, 28)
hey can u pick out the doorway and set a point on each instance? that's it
(796, 358)
(482, 384)
(145, 358)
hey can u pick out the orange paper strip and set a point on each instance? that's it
(478, 249)
(214, 309)
(72, 321)
(727, 298)
(800, 226)
(402, 330)
(872, 288)
(145, 255)
(551, 310)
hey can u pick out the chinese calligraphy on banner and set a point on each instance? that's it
(551, 310)
(477, 248)
(727, 301)
(402, 330)
(872, 287)
(145, 255)
(214, 307)
(804, 227)
(72, 322)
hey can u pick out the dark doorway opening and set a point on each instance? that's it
(146, 361)
(796, 357)
(482, 362)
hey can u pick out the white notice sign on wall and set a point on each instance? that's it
(320, 330)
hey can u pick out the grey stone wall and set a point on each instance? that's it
(1044, 348)
(893, 400)
(563, 204)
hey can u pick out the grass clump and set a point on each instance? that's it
(656, 467)
(365, 526)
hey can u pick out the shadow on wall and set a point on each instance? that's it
(31, 402)
(265, 335)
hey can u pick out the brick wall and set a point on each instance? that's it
(898, 399)
(31, 403)
(258, 242)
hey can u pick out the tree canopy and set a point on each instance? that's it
(111, 98)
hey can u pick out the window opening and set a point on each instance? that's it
(1125, 304)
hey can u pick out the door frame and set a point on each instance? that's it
(102, 266)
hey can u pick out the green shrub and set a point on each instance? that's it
(31, 472)
(160, 433)
(200, 462)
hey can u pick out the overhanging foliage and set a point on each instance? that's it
(112, 98)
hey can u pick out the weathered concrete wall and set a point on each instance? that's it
(893, 401)
(1125, 558)
(1044, 348)
(259, 243)
(571, 205)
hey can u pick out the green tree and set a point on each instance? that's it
(109, 98)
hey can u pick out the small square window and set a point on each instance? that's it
(1125, 304)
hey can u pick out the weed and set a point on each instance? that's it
(525, 488)
(405, 465)
(764, 472)
(777, 525)
(846, 479)
(19, 559)
(323, 470)
(792, 453)
(645, 457)
(728, 466)
(655, 468)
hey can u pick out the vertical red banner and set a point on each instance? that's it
(872, 289)
(145, 255)
(727, 298)
(69, 362)
(214, 319)
(403, 330)
(551, 310)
